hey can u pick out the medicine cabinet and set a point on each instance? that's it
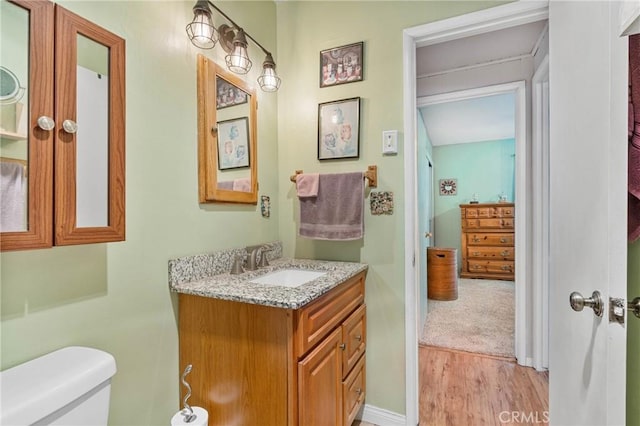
(62, 132)
(227, 140)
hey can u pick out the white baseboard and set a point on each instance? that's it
(381, 417)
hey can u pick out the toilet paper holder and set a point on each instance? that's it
(187, 411)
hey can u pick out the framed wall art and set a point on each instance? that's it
(233, 143)
(448, 186)
(341, 65)
(228, 95)
(339, 129)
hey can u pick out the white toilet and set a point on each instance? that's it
(70, 386)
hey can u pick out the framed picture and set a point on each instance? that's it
(339, 129)
(448, 186)
(341, 65)
(233, 143)
(228, 95)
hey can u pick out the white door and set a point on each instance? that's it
(588, 154)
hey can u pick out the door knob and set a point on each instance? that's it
(578, 302)
(634, 306)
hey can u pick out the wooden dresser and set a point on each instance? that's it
(488, 241)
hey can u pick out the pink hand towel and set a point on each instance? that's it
(242, 185)
(337, 213)
(307, 184)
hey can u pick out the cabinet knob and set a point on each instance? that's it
(505, 253)
(358, 391)
(343, 346)
(46, 123)
(70, 126)
(358, 338)
(503, 240)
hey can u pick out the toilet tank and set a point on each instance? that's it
(70, 386)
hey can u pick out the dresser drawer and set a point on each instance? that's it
(491, 253)
(316, 320)
(353, 392)
(491, 266)
(480, 239)
(488, 212)
(494, 223)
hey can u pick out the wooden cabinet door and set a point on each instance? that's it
(320, 384)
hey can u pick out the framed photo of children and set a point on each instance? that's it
(233, 143)
(228, 95)
(339, 129)
(341, 65)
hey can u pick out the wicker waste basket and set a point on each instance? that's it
(442, 272)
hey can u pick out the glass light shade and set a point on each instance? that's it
(269, 80)
(201, 31)
(238, 60)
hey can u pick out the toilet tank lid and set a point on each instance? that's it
(37, 388)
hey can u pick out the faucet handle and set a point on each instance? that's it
(237, 265)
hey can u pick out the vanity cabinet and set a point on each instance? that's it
(255, 364)
(74, 142)
(488, 241)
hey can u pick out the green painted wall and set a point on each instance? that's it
(304, 29)
(485, 168)
(115, 296)
(633, 337)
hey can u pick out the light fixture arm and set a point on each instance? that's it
(237, 26)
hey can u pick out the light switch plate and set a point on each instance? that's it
(390, 142)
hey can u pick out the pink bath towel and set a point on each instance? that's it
(307, 184)
(337, 213)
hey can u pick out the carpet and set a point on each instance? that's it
(481, 320)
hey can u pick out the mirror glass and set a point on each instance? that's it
(92, 137)
(227, 140)
(232, 105)
(14, 111)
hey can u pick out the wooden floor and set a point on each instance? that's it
(460, 388)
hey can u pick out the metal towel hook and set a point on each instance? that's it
(187, 412)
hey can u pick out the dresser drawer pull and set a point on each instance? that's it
(477, 267)
(358, 391)
(503, 240)
(476, 253)
(506, 268)
(343, 346)
(358, 338)
(476, 239)
(505, 253)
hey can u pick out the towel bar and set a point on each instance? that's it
(371, 175)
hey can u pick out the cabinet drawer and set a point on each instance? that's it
(479, 239)
(354, 336)
(494, 223)
(314, 321)
(493, 253)
(353, 392)
(491, 266)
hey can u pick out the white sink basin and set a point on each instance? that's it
(288, 278)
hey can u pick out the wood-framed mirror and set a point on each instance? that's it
(227, 139)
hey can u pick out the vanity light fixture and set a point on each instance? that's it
(233, 39)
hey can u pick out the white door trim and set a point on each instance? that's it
(462, 26)
(540, 239)
(521, 246)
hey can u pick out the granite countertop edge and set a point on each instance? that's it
(238, 288)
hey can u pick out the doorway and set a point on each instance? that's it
(472, 137)
(465, 26)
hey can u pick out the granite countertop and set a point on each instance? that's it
(238, 288)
